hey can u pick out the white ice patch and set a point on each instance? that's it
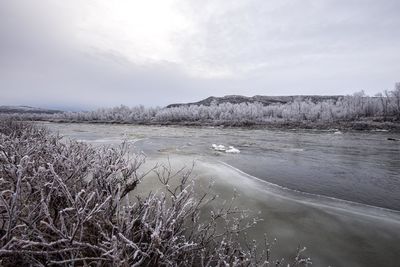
(222, 148)
(219, 147)
(232, 150)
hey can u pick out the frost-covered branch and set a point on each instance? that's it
(66, 203)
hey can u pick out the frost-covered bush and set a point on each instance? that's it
(68, 203)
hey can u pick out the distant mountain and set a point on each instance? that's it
(265, 100)
(27, 109)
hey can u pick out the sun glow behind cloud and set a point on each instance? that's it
(148, 32)
(143, 31)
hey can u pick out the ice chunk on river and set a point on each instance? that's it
(232, 150)
(219, 147)
(222, 148)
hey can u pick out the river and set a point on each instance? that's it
(336, 193)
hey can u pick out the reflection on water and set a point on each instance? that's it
(360, 167)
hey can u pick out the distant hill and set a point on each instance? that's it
(27, 109)
(265, 100)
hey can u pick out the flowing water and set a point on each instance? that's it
(336, 193)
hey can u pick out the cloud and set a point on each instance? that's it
(78, 54)
(244, 36)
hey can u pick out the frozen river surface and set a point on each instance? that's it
(338, 194)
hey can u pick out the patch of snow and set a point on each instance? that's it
(232, 150)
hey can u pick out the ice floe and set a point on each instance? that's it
(222, 148)
(232, 150)
(219, 147)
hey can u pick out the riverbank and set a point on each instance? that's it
(359, 125)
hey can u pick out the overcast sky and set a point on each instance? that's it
(79, 54)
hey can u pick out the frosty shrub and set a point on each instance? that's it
(68, 203)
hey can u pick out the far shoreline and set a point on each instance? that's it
(358, 126)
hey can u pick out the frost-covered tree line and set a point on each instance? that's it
(71, 204)
(345, 108)
(383, 107)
